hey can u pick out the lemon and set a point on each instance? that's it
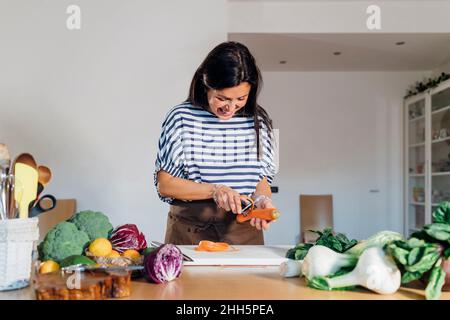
(100, 247)
(132, 254)
(48, 266)
(113, 254)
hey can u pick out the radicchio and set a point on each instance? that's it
(127, 237)
(163, 264)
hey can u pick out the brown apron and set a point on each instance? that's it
(190, 222)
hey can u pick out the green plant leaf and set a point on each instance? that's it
(319, 283)
(447, 253)
(415, 243)
(442, 213)
(439, 235)
(414, 255)
(407, 277)
(435, 283)
(399, 254)
(424, 264)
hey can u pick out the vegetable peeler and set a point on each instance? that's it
(247, 206)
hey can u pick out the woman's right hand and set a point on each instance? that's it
(227, 198)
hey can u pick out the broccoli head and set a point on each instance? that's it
(95, 224)
(62, 241)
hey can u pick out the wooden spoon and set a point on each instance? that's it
(45, 175)
(25, 170)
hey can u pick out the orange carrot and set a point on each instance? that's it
(268, 214)
(211, 246)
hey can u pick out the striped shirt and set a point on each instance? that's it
(198, 146)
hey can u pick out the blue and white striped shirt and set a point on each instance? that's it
(198, 146)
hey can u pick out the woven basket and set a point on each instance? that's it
(17, 237)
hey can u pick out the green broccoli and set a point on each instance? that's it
(62, 241)
(95, 224)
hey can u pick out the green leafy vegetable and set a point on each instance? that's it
(447, 253)
(435, 283)
(321, 283)
(408, 277)
(299, 251)
(438, 231)
(339, 243)
(379, 239)
(375, 271)
(442, 213)
(414, 257)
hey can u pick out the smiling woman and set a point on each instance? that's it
(216, 150)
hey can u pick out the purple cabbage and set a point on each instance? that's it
(163, 264)
(127, 237)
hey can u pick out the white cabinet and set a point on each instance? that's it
(427, 154)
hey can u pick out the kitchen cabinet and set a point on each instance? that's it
(427, 155)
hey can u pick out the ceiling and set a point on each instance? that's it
(359, 52)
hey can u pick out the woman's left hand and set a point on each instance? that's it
(259, 223)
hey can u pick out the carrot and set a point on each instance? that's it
(211, 246)
(268, 214)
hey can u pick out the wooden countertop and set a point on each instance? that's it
(240, 283)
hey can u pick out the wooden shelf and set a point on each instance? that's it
(437, 174)
(440, 110)
(416, 119)
(417, 145)
(440, 140)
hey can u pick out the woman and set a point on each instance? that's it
(215, 149)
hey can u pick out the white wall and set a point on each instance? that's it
(340, 133)
(445, 67)
(89, 103)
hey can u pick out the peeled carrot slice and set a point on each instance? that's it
(268, 214)
(211, 246)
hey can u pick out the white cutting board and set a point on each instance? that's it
(244, 255)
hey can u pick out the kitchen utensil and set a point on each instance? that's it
(157, 244)
(247, 205)
(8, 205)
(15, 192)
(25, 169)
(5, 163)
(42, 205)
(3, 207)
(45, 175)
(5, 159)
(244, 255)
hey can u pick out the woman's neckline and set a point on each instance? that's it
(216, 117)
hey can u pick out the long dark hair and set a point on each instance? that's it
(228, 65)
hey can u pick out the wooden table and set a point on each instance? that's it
(241, 283)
